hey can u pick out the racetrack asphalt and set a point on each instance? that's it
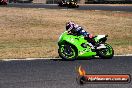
(82, 7)
(61, 74)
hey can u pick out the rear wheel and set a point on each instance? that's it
(67, 52)
(106, 53)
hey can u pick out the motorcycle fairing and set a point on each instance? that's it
(77, 41)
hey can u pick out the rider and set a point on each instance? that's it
(73, 28)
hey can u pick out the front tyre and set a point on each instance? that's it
(67, 52)
(106, 53)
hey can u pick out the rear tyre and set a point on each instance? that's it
(106, 53)
(67, 52)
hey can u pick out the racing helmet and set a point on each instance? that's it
(69, 26)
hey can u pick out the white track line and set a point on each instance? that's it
(28, 59)
(46, 58)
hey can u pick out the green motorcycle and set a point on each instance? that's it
(76, 46)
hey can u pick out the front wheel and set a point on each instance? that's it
(67, 52)
(106, 53)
